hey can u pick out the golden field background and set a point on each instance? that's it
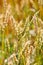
(21, 32)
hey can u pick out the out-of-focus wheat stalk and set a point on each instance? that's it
(21, 32)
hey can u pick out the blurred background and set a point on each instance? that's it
(21, 32)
